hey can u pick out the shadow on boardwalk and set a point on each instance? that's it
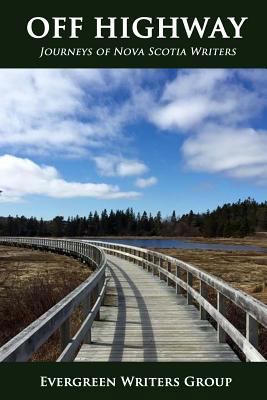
(148, 341)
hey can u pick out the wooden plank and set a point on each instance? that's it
(144, 320)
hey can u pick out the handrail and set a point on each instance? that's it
(256, 312)
(22, 346)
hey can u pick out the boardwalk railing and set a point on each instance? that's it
(89, 294)
(163, 265)
(22, 346)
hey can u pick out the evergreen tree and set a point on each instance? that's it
(237, 219)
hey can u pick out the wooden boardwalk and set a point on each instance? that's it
(143, 319)
(129, 314)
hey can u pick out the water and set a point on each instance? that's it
(183, 244)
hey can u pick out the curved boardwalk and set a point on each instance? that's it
(143, 319)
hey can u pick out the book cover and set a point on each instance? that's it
(133, 209)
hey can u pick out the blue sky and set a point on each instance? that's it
(72, 141)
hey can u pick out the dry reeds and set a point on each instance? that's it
(26, 296)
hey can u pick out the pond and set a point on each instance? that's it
(183, 244)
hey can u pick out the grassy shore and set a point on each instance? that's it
(259, 240)
(31, 282)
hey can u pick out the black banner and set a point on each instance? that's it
(77, 380)
(203, 34)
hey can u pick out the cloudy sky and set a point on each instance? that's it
(77, 140)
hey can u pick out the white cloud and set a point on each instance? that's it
(68, 111)
(198, 97)
(237, 152)
(20, 177)
(109, 165)
(146, 182)
(73, 112)
(131, 167)
(217, 109)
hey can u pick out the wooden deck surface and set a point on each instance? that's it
(143, 319)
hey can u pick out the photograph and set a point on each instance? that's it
(133, 216)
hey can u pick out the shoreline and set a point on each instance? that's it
(257, 240)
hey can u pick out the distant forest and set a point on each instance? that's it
(237, 219)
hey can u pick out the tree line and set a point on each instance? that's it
(237, 219)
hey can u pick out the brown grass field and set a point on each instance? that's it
(31, 282)
(241, 269)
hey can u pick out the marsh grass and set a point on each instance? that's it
(29, 291)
